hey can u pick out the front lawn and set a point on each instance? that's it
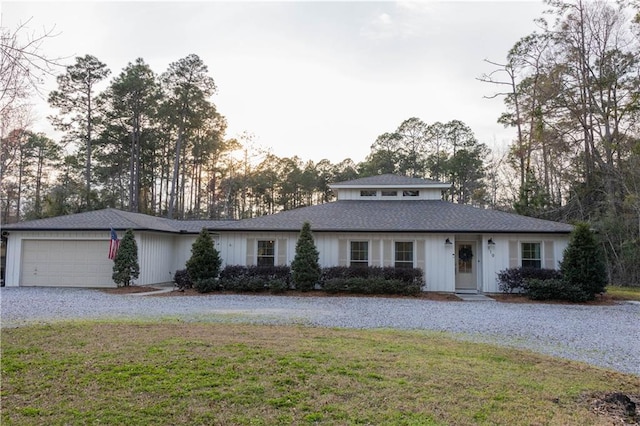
(169, 373)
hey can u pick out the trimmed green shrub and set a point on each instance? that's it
(125, 265)
(182, 280)
(305, 269)
(205, 260)
(255, 278)
(517, 279)
(555, 289)
(583, 263)
(206, 285)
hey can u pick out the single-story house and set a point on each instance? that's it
(384, 220)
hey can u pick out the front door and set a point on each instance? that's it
(466, 260)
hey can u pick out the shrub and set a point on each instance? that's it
(205, 259)
(255, 278)
(305, 268)
(206, 285)
(583, 263)
(182, 280)
(517, 279)
(125, 265)
(375, 285)
(555, 289)
(278, 285)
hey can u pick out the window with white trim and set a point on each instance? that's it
(410, 193)
(359, 253)
(387, 193)
(368, 193)
(404, 254)
(531, 255)
(266, 253)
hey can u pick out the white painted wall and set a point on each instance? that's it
(425, 194)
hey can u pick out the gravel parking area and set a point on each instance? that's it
(605, 336)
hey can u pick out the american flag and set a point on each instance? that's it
(114, 243)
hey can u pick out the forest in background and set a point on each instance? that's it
(155, 143)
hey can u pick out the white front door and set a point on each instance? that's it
(466, 260)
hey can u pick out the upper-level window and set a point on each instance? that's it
(531, 255)
(368, 193)
(389, 193)
(404, 254)
(410, 193)
(266, 253)
(359, 253)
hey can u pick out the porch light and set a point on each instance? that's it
(492, 247)
(447, 242)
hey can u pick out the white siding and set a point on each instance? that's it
(439, 263)
(155, 256)
(425, 194)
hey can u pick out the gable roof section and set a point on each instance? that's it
(390, 180)
(422, 216)
(105, 219)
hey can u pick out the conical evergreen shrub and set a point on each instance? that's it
(305, 268)
(583, 262)
(204, 265)
(125, 265)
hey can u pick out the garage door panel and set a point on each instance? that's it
(66, 263)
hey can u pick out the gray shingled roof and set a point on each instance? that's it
(112, 218)
(398, 216)
(345, 216)
(389, 180)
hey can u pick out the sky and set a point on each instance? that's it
(320, 80)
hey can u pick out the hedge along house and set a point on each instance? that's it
(384, 220)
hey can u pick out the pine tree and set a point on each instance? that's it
(125, 265)
(583, 262)
(205, 262)
(305, 267)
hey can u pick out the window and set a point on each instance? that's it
(531, 257)
(359, 253)
(389, 193)
(368, 193)
(410, 193)
(404, 254)
(266, 253)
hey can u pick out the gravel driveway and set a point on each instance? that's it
(606, 336)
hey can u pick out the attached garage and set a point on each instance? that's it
(65, 263)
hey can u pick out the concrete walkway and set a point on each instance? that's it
(157, 289)
(474, 297)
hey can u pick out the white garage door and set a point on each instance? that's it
(66, 263)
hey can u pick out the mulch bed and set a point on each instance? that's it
(601, 300)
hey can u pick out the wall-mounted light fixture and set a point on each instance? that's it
(492, 247)
(447, 242)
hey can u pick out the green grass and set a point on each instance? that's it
(171, 373)
(624, 293)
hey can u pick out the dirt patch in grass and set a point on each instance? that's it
(620, 408)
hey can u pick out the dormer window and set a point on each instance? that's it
(368, 193)
(410, 193)
(389, 193)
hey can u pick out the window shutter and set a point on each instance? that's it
(343, 259)
(387, 252)
(251, 252)
(513, 254)
(549, 258)
(375, 253)
(282, 252)
(419, 255)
